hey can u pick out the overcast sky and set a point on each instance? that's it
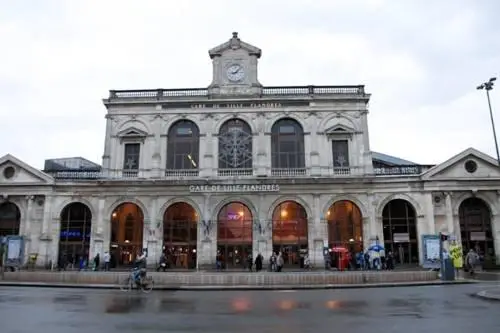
(421, 61)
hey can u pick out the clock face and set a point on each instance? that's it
(235, 73)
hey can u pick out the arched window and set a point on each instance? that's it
(127, 223)
(235, 145)
(290, 232)
(183, 148)
(180, 231)
(287, 145)
(399, 221)
(475, 227)
(74, 235)
(234, 234)
(10, 219)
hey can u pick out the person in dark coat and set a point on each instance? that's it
(258, 262)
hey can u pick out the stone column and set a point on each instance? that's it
(317, 233)
(107, 146)
(495, 228)
(374, 225)
(26, 226)
(156, 153)
(429, 213)
(207, 243)
(449, 214)
(152, 234)
(97, 235)
(262, 242)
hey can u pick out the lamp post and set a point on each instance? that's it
(489, 86)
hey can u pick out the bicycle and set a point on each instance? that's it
(146, 284)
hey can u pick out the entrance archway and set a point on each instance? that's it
(345, 225)
(180, 234)
(290, 232)
(399, 220)
(10, 219)
(234, 235)
(127, 224)
(475, 226)
(74, 234)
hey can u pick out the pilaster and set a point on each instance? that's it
(317, 233)
(207, 237)
(97, 239)
(449, 214)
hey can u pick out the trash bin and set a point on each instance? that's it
(449, 271)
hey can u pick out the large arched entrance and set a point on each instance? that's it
(399, 221)
(290, 232)
(74, 233)
(180, 233)
(127, 224)
(10, 219)
(234, 235)
(345, 226)
(475, 227)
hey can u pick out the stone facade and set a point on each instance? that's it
(325, 115)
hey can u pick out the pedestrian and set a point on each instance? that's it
(107, 260)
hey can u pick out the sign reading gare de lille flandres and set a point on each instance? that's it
(233, 188)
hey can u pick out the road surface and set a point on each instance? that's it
(440, 309)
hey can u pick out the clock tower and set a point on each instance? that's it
(235, 68)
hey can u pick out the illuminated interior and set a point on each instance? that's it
(234, 234)
(290, 232)
(127, 224)
(180, 231)
(345, 226)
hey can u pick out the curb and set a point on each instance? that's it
(242, 287)
(484, 294)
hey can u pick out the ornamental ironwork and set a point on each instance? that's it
(235, 148)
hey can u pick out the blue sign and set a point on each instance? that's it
(73, 234)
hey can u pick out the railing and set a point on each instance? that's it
(77, 174)
(177, 174)
(408, 170)
(401, 170)
(266, 92)
(292, 172)
(234, 172)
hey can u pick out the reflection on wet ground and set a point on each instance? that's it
(417, 309)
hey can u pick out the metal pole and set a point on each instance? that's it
(493, 125)
(441, 257)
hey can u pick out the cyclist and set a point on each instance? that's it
(140, 267)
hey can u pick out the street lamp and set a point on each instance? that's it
(489, 86)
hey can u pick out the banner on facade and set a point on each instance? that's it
(431, 244)
(233, 188)
(14, 250)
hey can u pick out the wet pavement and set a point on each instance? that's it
(408, 309)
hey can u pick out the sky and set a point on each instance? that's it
(420, 59)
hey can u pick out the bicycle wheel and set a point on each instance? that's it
(147, 285)
(126, 284)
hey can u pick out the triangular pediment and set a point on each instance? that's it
(15, 171)
(234, 43)
(469, 164)
(339, 129)
(132, 132)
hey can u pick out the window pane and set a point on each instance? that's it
(131, 156)
(287, 148)
(183, 146)
(235, 145)
(340, 153)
